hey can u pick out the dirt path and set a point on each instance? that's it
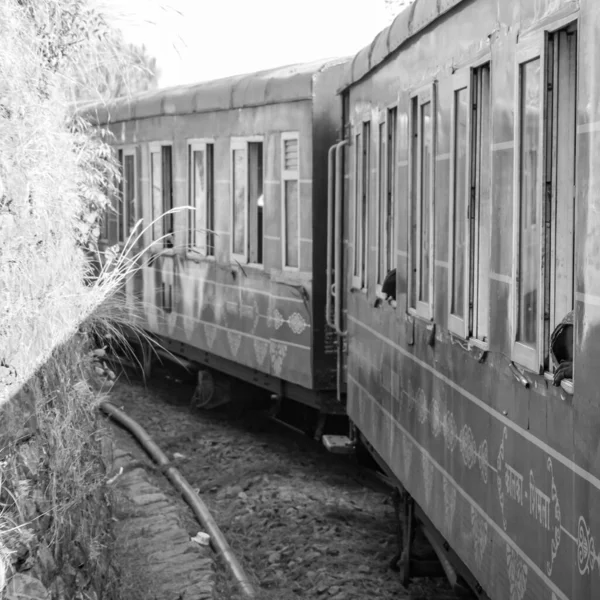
(301, 521)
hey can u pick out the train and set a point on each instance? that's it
(236, 283)
(427, 267)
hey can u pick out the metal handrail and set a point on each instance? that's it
(338, 240)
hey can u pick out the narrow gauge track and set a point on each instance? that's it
(303, 523)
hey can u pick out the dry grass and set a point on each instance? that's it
(50, 175)
(56, 175)
(54, 492)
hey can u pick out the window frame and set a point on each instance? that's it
(133, 151)
(462, 79)
(358, 185)
(570, 22)
(465, 327)
(358, 282)
(289, 175)
(425, 94)
(241, 143)
(391, 181)
(122, 218)
(382, 188)
(532, 48)
(390, 184)
(153, 148)
(199, 251)
(104, 236)
(111, 212)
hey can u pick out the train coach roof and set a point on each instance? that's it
(408, 23)
(283, 84)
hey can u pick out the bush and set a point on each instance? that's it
(56, 176)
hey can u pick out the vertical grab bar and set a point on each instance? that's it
(338, 238)
(330, 232)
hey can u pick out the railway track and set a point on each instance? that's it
(302, 522)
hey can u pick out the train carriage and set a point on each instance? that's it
(236, 284)
(471, 158)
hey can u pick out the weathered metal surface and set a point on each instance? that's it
(274, 86)
(508, 474)
(408, 23)
(327, 120)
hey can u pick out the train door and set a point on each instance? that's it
(336, 229)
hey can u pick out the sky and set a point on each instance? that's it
(197, 40)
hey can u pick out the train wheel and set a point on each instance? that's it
(404, 571)
(409, 535)
(146, 359)
(205, 390)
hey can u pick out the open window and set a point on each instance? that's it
(386, 198)
(381, 270)
(247, 201)
(290, 175)
(113, 216)
(421, 207)
(130, 191)
(470, 206)
(201, 189)
(121, 217)
(559, 234)
(161, 178)
(362, 182)
(390, 192)
(544, 194)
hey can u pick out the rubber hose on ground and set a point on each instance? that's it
(218, 541)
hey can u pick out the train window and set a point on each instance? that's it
(239, 204)
(544, 198)
(528, 264)
(365, 204)
(458, 219)
(386, 183)
(161, 175)
(104, 225)
(114, 214)
(363, 185)
(113, 217)
(412, 232)
(256, 200)
(559, 239)
(480, 212)
(390, 238)
(470, 204)
(130, 191)
(291, 210)
(201, 189)
(421, 246)
(121, 204)
(358, 183)
(167, 196)
(247, 202)
(156, 196)
(381, 208)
